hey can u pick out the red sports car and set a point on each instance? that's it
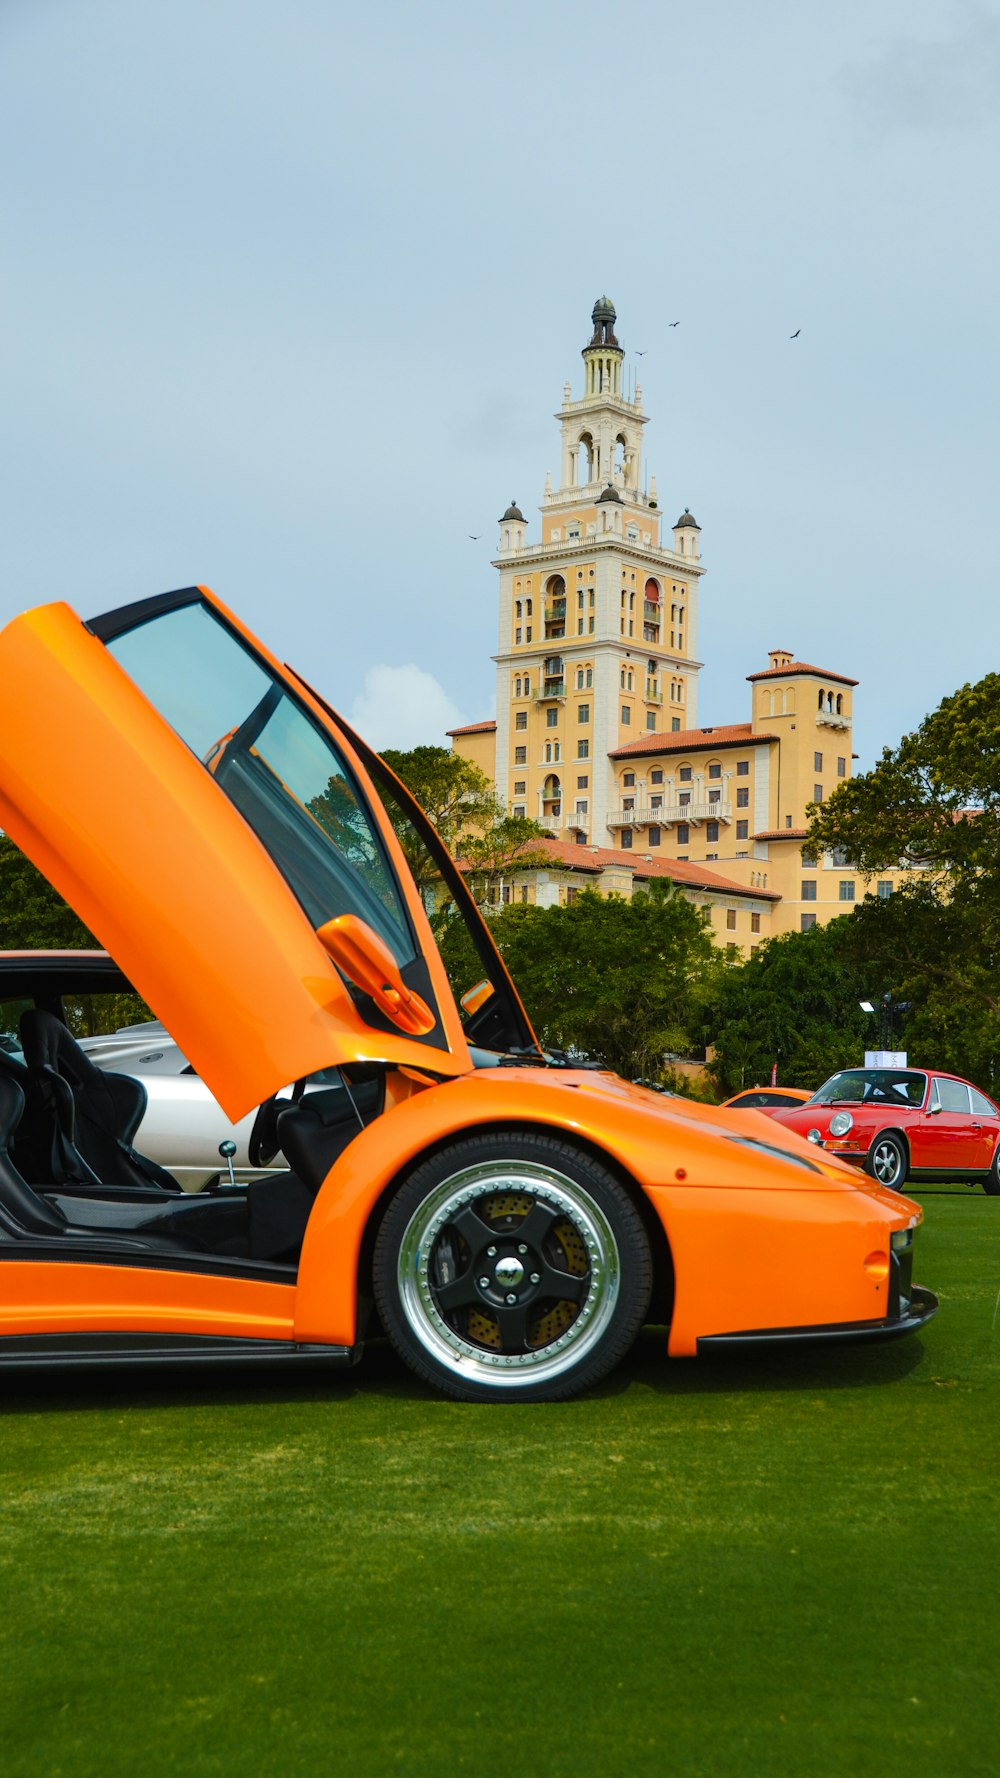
(903, 1124)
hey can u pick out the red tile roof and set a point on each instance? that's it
(693, 740)
(473, 728)
(800, 667)
(644, 865)
(782, 833)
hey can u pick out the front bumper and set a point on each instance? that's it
(914, 1313)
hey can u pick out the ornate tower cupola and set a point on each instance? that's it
(512, 524)
(603, 355)
(602, 431)
(686, 535)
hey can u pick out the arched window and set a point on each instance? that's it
(820, 704)
(517, 686)
(586, 466)
(829, 702)
(840, 704)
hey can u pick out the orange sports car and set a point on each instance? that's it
(267, 885)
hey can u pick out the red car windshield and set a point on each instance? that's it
(872, 1086)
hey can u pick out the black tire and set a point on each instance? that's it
(991, 1184)
(887, 1160)
(511, 1267)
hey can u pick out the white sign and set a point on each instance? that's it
(885, 1058)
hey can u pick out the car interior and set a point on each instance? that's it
(68, 1169)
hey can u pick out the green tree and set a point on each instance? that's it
(32, 916)
(470, 818)
(453, 793)
(933, 802)
(794, 1004)
(622, 981)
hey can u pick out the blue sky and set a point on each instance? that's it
(290, 291)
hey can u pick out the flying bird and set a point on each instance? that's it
(475, 536)
(795, 335)
(642, 354)
(673, 323)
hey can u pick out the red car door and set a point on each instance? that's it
(948, 1135)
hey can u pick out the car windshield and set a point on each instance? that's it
(280, 769)
(872, 1086)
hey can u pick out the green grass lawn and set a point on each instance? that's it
(787, 1567)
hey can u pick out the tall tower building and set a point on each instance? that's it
(599, 621)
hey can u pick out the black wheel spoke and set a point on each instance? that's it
(537, 1226)
(566, 1287)
(512, 1319)
(474, 1231)
(461, 1293)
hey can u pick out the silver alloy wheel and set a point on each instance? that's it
(888, 1162)
(426, 1252)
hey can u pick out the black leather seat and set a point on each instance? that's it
(141, 1223)
(18, 1203)
(80, 1121)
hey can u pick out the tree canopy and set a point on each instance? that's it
(933, 802)
(621, 981)
(453, 793)
(795, 1005)
(470, 818)
(32, 916)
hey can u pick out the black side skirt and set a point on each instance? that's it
(923, 1304)
(123, 1351)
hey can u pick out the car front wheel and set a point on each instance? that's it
(991, 1184)
(887, 1161)
(512, 1267)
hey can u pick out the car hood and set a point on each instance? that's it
(667, 1139)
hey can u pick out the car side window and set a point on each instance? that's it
(982, 1106)
(279, 768)
(953, 1095)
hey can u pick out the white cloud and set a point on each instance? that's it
(404, 707)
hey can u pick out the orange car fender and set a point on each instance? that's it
(677, 1164)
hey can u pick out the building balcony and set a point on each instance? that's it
(654, 697)
(651, 611)
(669, 814)
(554, 690)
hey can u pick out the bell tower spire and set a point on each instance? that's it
(602, 432)
(603, 355)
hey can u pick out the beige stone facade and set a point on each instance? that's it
(596, 732)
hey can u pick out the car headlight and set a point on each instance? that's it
(813, 1136)
(840, 1123)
